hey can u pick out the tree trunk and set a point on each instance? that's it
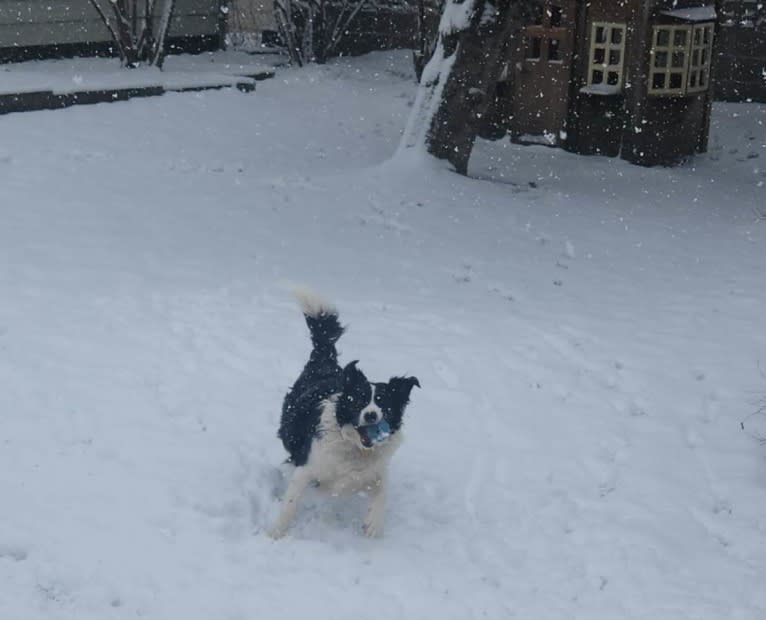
(459, 81)
(160, 49)
(283, 14)
(133, 29)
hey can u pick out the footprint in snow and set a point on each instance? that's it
(14, 553)
(502, 292)
(446, 374)
(263, 493)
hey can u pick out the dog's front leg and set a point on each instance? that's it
(295, 489)
(376, 513)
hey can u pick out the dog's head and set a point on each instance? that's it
(369, 413)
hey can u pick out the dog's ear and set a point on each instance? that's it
(351, 372)
(401, 387)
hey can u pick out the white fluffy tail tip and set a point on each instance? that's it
(311, 303)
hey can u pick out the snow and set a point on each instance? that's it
(67, 76)
(428, 95)
(695, 14)
(489, 15)
(601, 89)
(456, 16)
(547, 138)
(587, 334)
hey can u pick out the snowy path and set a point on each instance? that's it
(587, 345)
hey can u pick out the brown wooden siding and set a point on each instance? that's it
(32, 23)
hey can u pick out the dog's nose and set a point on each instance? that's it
(370, 417)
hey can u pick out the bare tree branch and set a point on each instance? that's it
(137, 31)
(283, 13)
(313, 29)
(109, 26)
(341, 29)
(158, 57)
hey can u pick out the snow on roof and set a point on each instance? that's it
(601, 89)
(698, 14)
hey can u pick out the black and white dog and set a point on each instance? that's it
(340, 429)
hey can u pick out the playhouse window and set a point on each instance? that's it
(555, 14)
(680, 59)
(554, 50)
(701, 51)
(534, 48)
(607, 54)
(749, 9)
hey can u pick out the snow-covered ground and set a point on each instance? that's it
(587, 333)
(186, 71)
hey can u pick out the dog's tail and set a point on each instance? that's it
(322, 319)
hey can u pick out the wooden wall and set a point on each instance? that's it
(26, 23)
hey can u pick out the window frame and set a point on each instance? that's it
(608, 46)
(533, 43)
(749, 11)
(670, 51)
(694, 76)
(542, 40)
(700, 72)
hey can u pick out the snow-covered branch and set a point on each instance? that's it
(138, 29)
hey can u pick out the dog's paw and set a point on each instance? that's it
(373, 528)
(276, 532)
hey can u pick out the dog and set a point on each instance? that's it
(339, 429)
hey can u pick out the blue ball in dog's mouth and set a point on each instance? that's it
(371, 434)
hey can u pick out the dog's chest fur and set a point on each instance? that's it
(341, 466)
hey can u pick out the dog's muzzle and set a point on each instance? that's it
(370, 434)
